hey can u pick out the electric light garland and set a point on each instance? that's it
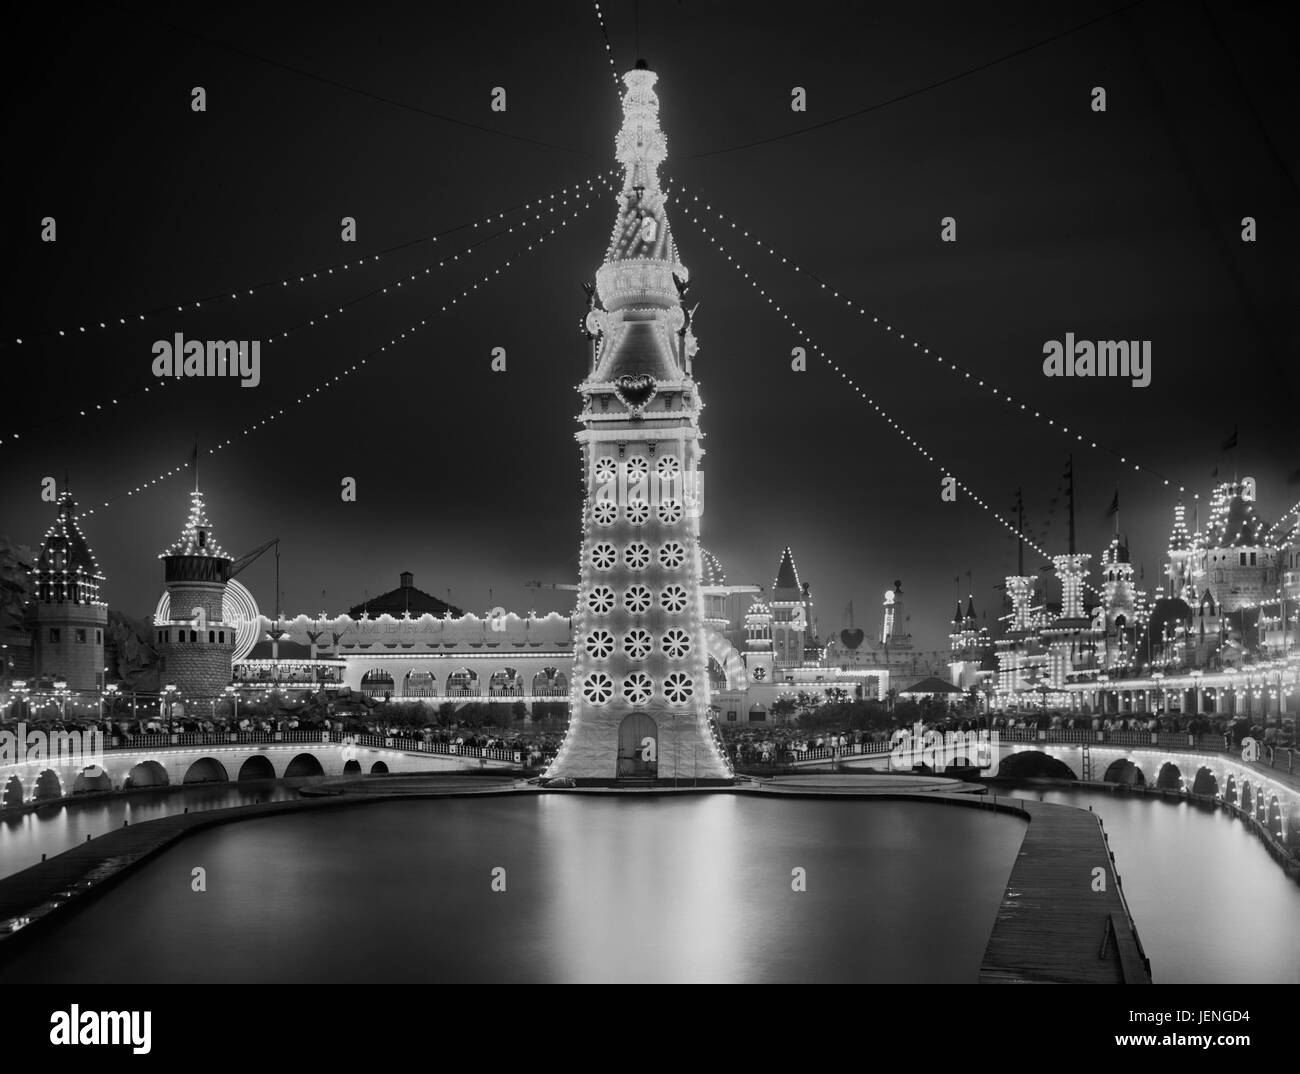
(63, 535)
(609, 51)
(1294, 509)
(590, 184)
(356, 367)
(880, 411)
(189, 542)
(953, 367)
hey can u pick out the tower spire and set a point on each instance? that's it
(640, 707)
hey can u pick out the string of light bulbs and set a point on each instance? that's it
(590, 185)
(958, 370)
(609, 50)
(1277, 526)
(880, 411)
(309, 274)
(356, 367)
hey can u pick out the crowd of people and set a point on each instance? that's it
(757, 745)
(779, 743)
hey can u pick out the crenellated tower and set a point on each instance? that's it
(195, 641)
(640, 688)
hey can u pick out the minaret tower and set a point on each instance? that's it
(1180, 554)
(640, 695)
(196, 642)
(70, 616)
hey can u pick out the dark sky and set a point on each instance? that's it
(1122, 225)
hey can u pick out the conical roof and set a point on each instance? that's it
(196, 536)
(1234, 524)
(66, 568)
(641, 282)
(786, 586)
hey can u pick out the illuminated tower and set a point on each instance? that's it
(195, 641)
(1069, 638)
(1179, 570)
(70, 617)
(790, 613)
(758, 643)
(893, 623)
(640, 688)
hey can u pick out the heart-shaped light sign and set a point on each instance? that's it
(635, 390)
(852, 638)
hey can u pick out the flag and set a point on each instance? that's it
(1114, 506)
(1231, 442)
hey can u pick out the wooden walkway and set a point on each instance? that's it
(43, 894)
(1052, 926)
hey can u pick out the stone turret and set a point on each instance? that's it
(69, 615)
(196, 641)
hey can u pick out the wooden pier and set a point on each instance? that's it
(1054, 926)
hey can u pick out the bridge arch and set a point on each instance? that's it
(1029, 764)
(1275, 821)
(91, 779)
(1170, 777)
(379, 768)
(13, 792)
(48, 785)
(206, 770)
(1126, 773)
(258, 766)
(1205, 782)
(351, 767)
(147, 774)
(305, 764)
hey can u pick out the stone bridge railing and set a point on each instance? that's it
(189, 739)
(1282, 761)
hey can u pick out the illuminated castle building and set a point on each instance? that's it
(1226, 622)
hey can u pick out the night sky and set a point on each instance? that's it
(1115, 225)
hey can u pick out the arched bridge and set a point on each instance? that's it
(170, 760)
(1267, 792)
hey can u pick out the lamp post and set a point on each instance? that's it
(169, 695)
(233, 694)
(110, 692)
(21, 690)
(61, 692)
